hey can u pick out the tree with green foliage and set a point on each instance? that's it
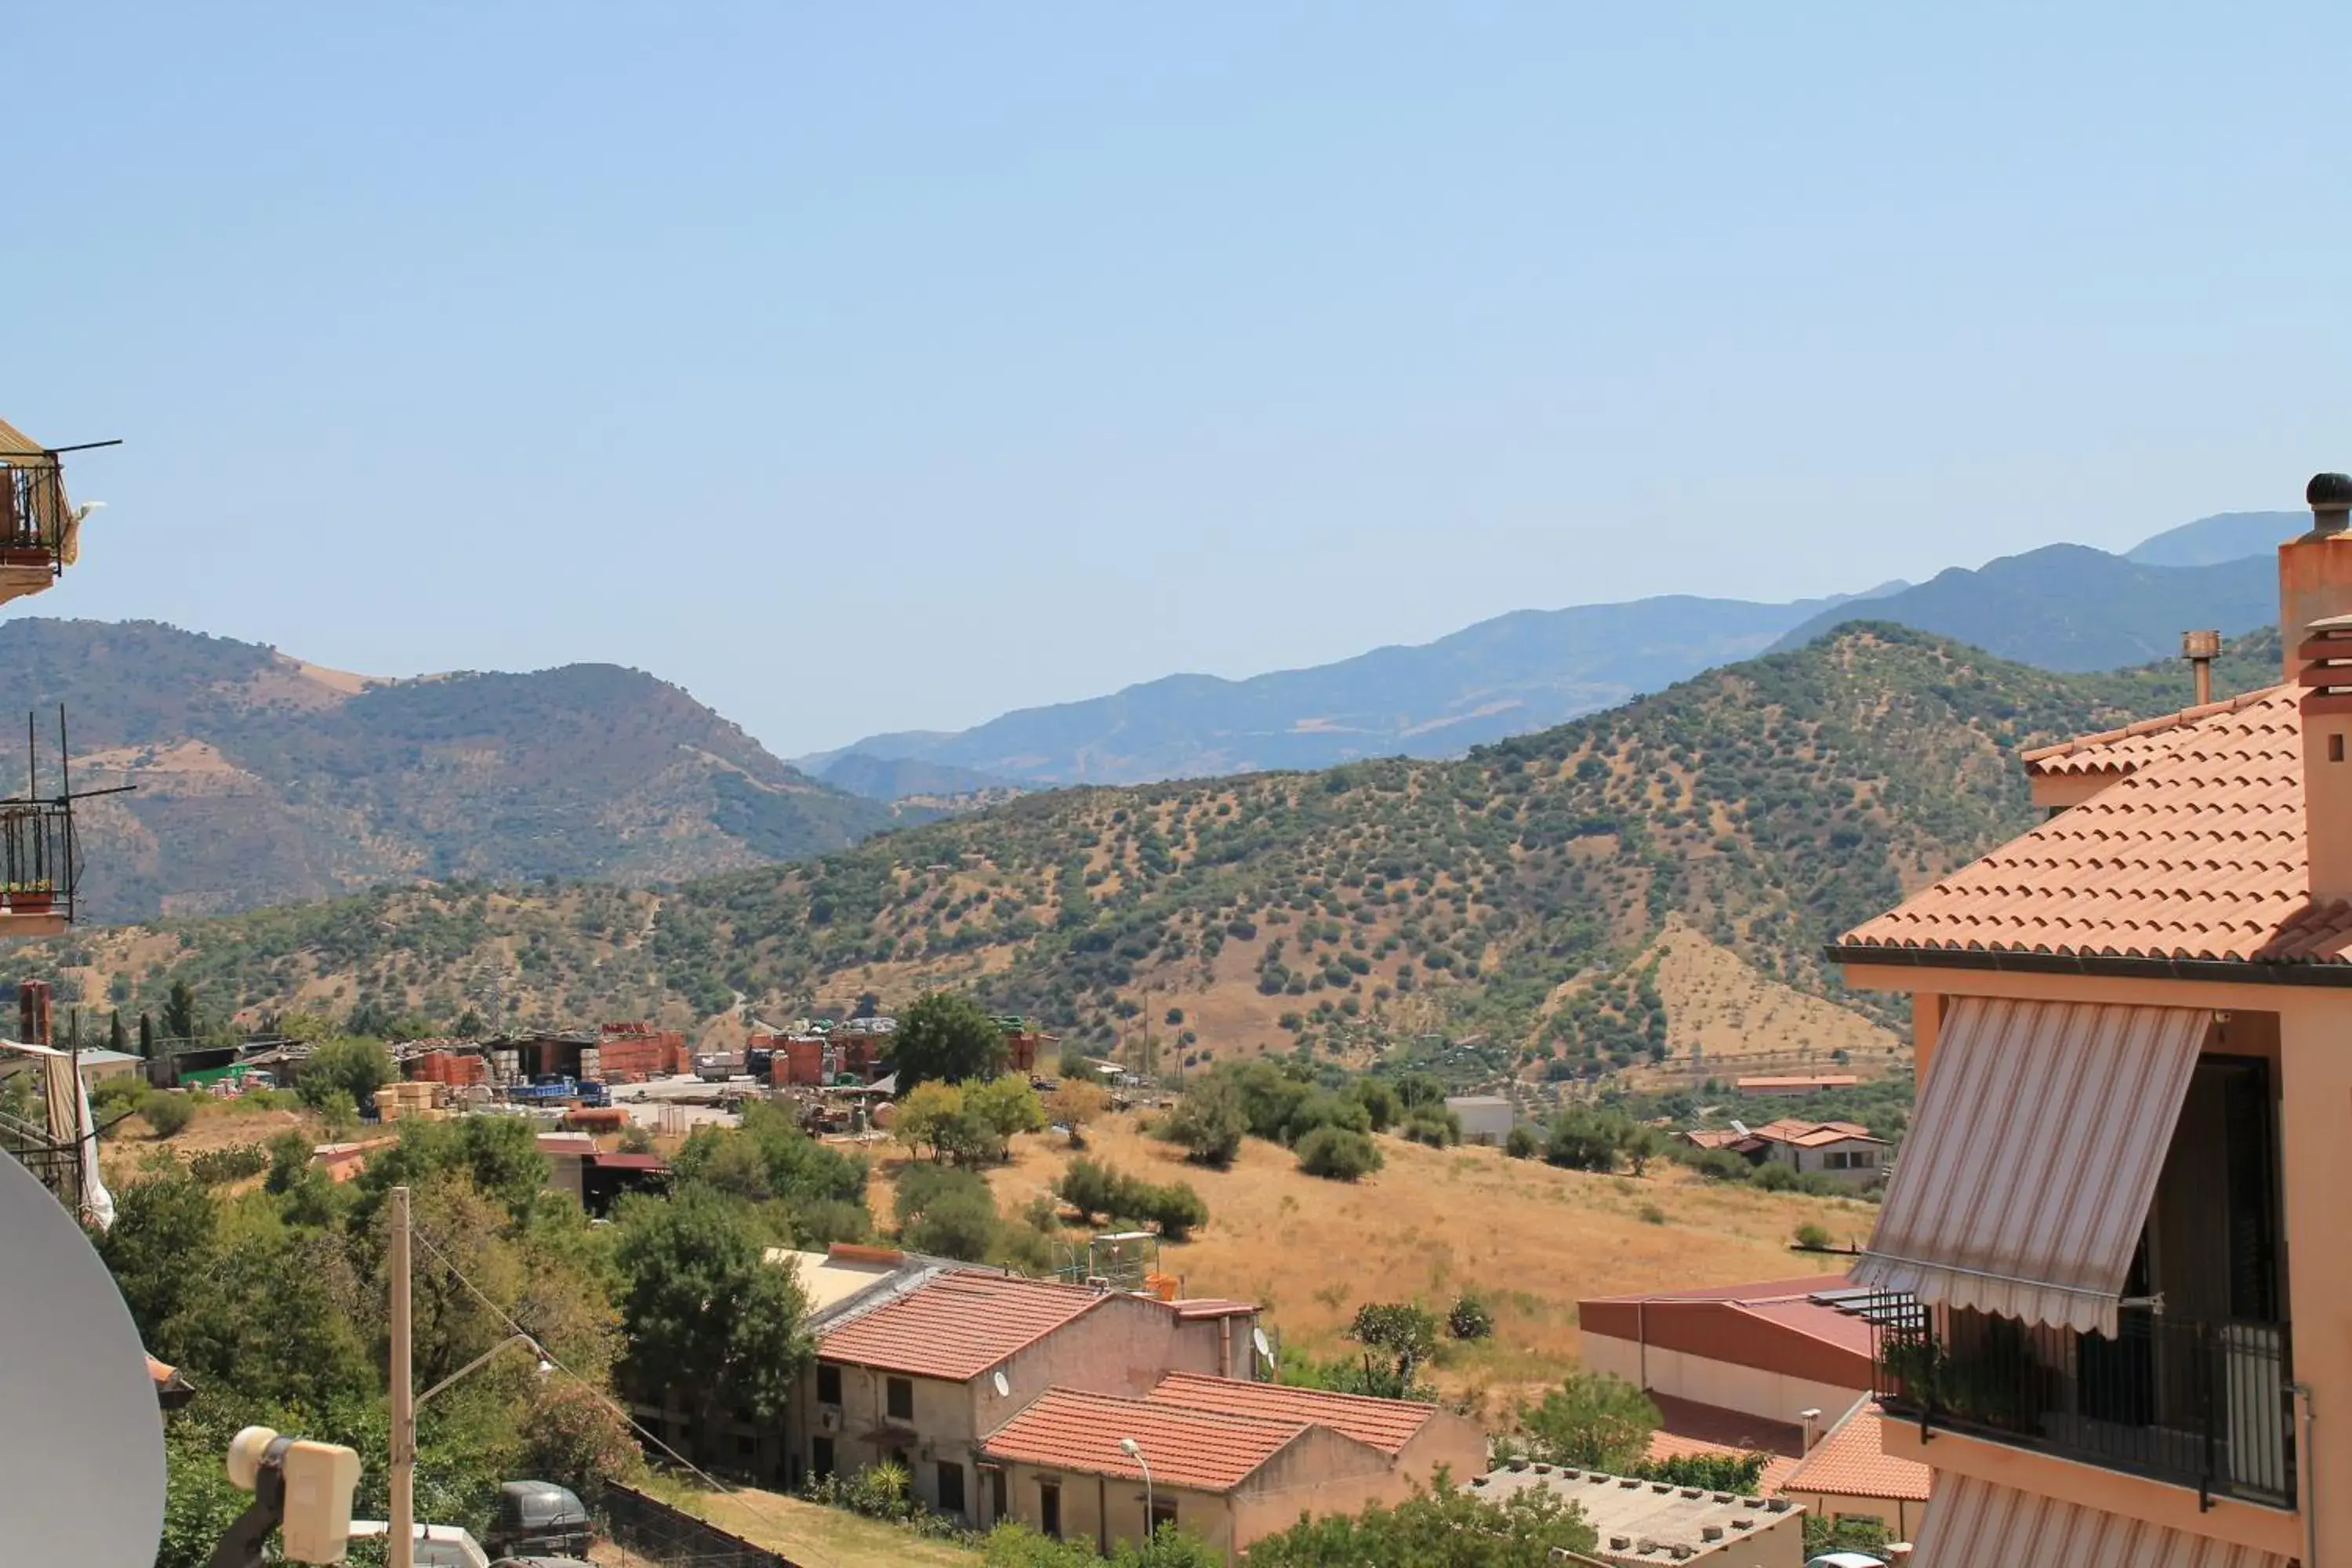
(1209, 1120)
(1521, 1143)
(1004, 1107)
(1399, 1331)
(1445, 1526)
(356, 1066)
(117, 1038)
(181, 1020)
(708, 1322)
(946, 1036)
(1584, 1140)
(1593, 1421)
(947, 1211)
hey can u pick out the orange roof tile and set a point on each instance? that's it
(957, 1326)
(1205, 1450)
(1849, 1463)
(2196, 854)
(2125, 750)
(1387, 1425)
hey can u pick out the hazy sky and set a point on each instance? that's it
(868, 367)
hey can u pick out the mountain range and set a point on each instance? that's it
(2065, 607)
(262, 779)
(1760, 806)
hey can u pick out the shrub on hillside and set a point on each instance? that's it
(167, 1113)
(1337, 1155)
(1521, 1145)
(216, 1166)
(1435, 1126)
(1469, 1317)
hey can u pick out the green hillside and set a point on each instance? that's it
(262, 779)
(1770, 805)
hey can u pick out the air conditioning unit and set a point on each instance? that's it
(828, 1420)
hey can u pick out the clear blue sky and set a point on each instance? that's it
(872, 367)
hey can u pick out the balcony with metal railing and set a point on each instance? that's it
(40, 862)
(2201, 1404)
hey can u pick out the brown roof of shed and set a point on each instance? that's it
(1387, 1425)
(1200, 1449)
(957, 1325)
(2196, 853)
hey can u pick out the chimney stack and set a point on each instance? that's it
(2315, 626)
(2201, 648)
(2315, 568)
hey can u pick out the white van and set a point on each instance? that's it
(437, 1545)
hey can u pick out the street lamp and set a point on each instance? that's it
(401, 1546)
(545, 1366)
(1134, 1450)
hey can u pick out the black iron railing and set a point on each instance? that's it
(32, 514)
(2203, 1404)
(39, 858)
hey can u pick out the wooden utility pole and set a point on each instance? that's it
(402, 1542)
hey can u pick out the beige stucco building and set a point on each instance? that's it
(2121, 1203)
(919, 1373)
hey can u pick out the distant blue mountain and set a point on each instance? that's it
(2068, 607)
(2064, 607)
(2227, 536)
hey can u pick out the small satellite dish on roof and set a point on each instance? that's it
(1257, 1338)
(81, 1441)
(1003, 1389)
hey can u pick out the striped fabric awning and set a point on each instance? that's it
(2027, 1178)
(1973, 1523)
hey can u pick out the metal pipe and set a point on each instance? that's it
(401, 1538)
(2302, 1390)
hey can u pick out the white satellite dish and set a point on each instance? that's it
(81, 1440)
(1257, 1338)
(1003, 1389)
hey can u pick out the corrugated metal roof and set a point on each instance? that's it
(957, 1326)
(1852, 1462)
(2034, 1212)
(1973, 1523)
(2198, 853)
(1205, 1450)
(1387, 1425)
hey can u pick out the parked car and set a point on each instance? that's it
(538, 1519)
(1845, 1560)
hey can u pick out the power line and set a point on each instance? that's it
(756, 1504)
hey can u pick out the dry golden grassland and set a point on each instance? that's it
(1531, 1241)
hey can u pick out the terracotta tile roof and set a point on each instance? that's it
(957, 1326)
(1849, 1463)
(2196, 854)
(1205, 1450)
(2125, 750)
(1387, 1425)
